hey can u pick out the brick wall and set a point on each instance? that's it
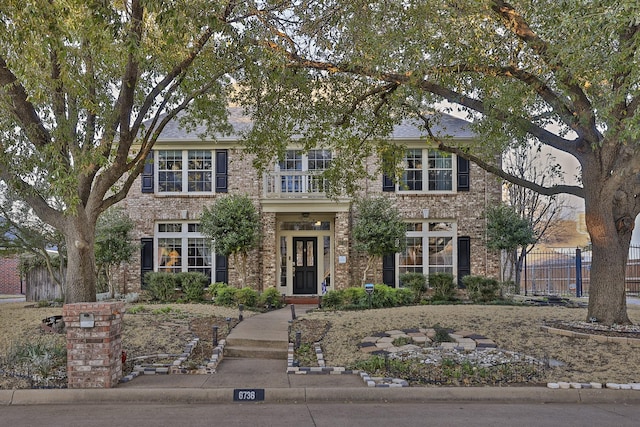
(94, 354)
(465, 208)
(10, 276)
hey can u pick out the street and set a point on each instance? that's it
(320, 415)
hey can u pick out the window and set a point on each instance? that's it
(300, 173)
(181, 247)
(436, 174)
(175, 167)
(430, 248)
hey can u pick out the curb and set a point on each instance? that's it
(319, 395)
(600, 338)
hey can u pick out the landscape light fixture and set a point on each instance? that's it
(215, 336)
(228, 324)
(240, 309)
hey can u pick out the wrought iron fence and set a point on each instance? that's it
(567, 272)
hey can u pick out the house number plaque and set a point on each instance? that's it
(248, 394)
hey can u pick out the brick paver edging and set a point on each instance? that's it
(177, 367)
(321, 369)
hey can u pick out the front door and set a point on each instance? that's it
(305, 275)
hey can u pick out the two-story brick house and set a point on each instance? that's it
(306, 238)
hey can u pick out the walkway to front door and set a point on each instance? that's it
(305, 277)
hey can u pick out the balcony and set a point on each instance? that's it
(294, 185)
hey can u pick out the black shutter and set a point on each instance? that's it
(146, 258)
(389, 270)
(463, 174)
(147, 174)
(221, 171)
(464, 258)
(221, 275)
(387, 183)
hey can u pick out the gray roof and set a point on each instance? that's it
(444, 125)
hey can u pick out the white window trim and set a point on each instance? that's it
(425, 175)
(184, 235)
(184, 172)
(426, 234)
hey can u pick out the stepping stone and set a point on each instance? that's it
(416, 334)
(384, 344)
(477, 337)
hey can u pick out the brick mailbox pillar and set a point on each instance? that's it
(94, 344)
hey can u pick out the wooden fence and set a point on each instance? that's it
(40, 286)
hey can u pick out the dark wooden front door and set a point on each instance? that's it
(305, 276)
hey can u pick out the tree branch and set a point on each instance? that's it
(547, 191)
(518, 25)
(24, 110)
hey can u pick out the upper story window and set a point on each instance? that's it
(185, 171)
(300, 173)
(427, 170)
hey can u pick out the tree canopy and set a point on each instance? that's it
(87, 86)
(561, 73)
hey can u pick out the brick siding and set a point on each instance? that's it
(465, 208)
(10, 276)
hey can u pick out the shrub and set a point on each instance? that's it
(215, 287)
(162, 286)
(226, 296)
(271, 298)
(333, 299)
(383, 296)
(444, 288)
(417, 282)
(248, 297)
(193, 284)
(355, 297)
(405, 296)
(481, 289)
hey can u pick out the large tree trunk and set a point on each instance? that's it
(81, 266)
(610, 224)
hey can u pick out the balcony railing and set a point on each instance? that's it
(294, 184)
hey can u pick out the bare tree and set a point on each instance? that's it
(540, 211)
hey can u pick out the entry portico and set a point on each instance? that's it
(308, 254)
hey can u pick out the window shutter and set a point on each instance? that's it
(463, 174)
(388, 184)
(221, 171)
(464, 258)
(221, 274)
(146, 258)
(389, 270)
(147, 174)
